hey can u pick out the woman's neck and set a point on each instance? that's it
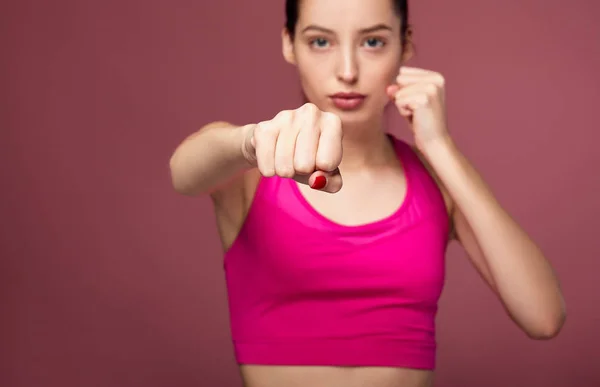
(365, 146)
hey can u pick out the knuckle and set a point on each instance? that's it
(303, 166)
(284, 113)
(431, 90)
(440, 80)
(266, 172)
(327, 164)
(284, 116)
(309, 108)
(285, 171)
(307, 119)
(307, 113)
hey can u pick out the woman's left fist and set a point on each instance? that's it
(419, 96)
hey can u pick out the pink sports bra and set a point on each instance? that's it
(304, 290)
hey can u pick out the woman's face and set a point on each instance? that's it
(346, 46)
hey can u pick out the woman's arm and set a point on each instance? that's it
(209, 158)
(512, 264)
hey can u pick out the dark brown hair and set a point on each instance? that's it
(292, 9)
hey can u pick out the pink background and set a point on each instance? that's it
(109, 278)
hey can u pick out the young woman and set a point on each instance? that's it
(335, 232)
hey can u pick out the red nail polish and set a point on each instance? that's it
(319, 183)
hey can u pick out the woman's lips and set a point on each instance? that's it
(347, 101)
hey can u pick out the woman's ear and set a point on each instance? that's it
(287, 47)
(408, 49)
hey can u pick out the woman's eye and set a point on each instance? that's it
(319, 42)
(374, 42)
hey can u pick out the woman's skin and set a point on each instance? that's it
(341, 156)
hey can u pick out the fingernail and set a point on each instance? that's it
(319, 183)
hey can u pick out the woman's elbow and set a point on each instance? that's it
(179, 182)
(550, 327)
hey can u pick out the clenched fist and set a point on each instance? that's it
(303, 144)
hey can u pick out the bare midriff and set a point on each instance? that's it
(326, 376)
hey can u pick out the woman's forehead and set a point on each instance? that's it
(355, 14)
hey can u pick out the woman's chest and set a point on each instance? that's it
(360, 201)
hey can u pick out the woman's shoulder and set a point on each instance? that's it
(420, 157)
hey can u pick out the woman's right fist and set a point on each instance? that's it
(303, 144)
